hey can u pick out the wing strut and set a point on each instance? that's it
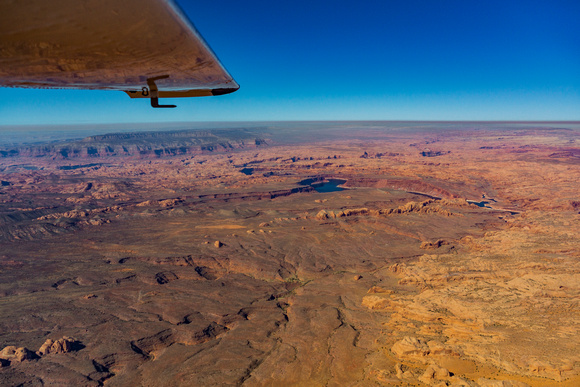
(155, 92)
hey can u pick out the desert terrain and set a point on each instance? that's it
(310, 253)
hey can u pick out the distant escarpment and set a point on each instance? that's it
(143, 144)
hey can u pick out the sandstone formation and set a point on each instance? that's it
(62, 345)
(12, 353)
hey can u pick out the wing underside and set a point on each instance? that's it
(107, 45)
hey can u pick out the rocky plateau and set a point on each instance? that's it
(351, 254)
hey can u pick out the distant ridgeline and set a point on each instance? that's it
(144, 144)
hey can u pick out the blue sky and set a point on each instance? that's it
(359, 60)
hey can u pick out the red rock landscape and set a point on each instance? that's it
(440, 254)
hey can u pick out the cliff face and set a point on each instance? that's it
(143, 144)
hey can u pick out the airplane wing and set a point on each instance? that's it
(146, 48)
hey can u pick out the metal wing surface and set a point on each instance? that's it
(147, 48)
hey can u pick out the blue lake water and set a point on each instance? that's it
(482, 203)
(331, 185)
(70, 167)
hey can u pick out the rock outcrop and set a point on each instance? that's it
(63, 345)
(16, 354)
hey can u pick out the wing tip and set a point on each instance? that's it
(224, 90)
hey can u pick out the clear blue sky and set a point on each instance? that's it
(360, 60)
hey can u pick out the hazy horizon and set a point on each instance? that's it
(30, 134)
